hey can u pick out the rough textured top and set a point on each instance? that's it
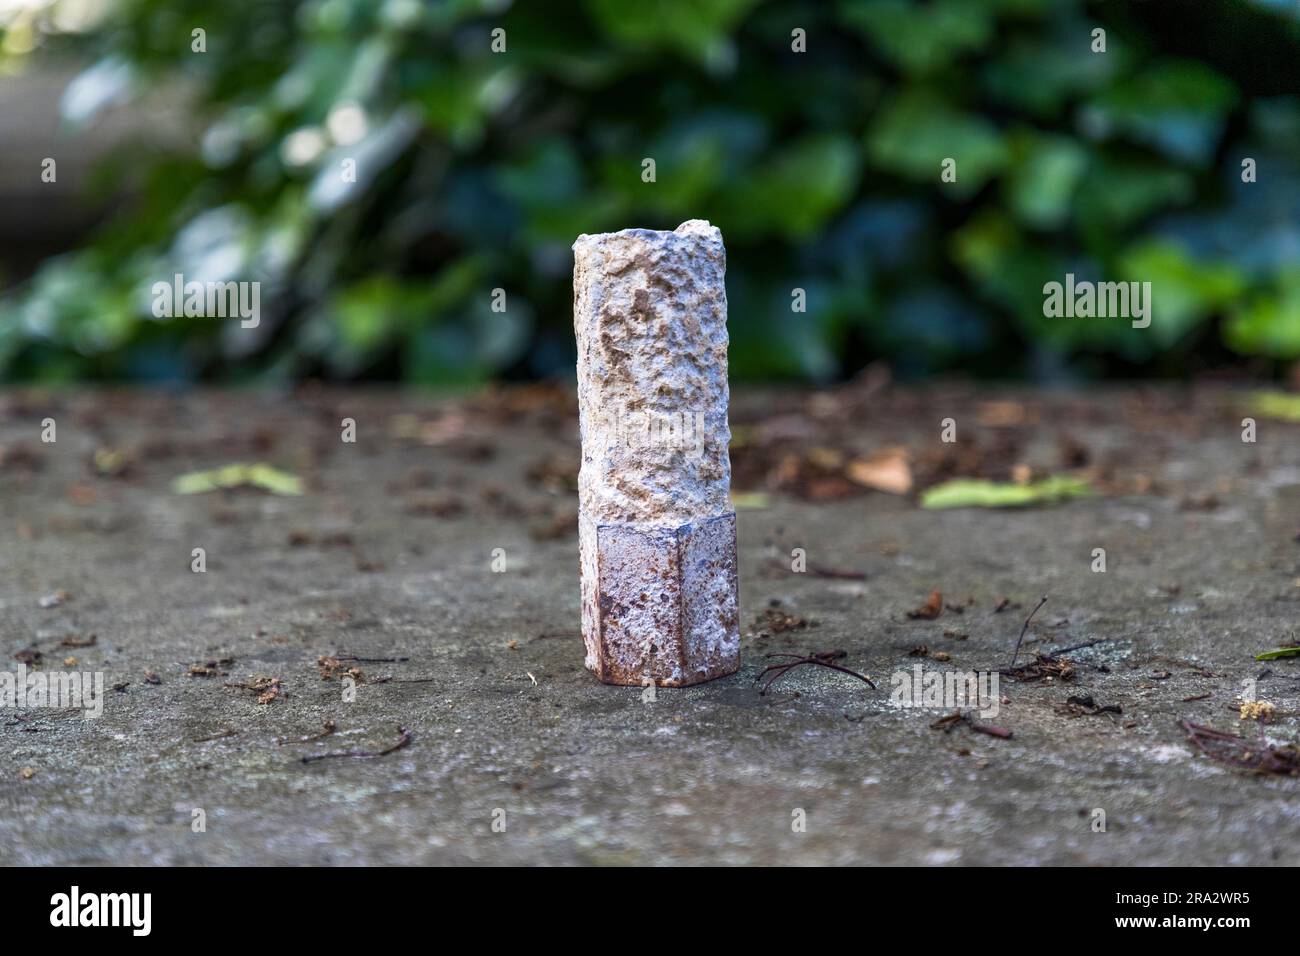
(650, 316)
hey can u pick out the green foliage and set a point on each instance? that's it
(475, 170)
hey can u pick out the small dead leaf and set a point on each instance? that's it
(889, 471)
(931, 609)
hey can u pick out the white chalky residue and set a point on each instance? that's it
(650, 317)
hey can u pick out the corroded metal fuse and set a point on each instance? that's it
(656, 530)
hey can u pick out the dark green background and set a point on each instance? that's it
(822, 170)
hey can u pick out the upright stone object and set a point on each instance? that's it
(656, 530)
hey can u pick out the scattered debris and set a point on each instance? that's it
(1045, 667)
(1188, 700)
(931, 609)
(1196, 668)
(57, 599)
(151, 678)
(839, 574)
(818, 659)
(80, 642)
(219, 735)
(1016, 653)
(210, 668)
(327, 728)
(1258, 757)
(1260, 710)
(27, 773)
(775, 621)
(332, 667)
(404, 738)
(943, 657)
(920, 650)
(266, 688)
(1083, 705)
(29, 656)
(958, 718)
(1079, 647)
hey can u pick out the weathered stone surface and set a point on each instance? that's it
(657, 532)
(703, 775)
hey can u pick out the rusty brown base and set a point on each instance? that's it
(660, 603)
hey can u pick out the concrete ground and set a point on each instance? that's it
(388, 557)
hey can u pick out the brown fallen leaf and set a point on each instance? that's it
(210, 668)
(931, 609)
(889, 471)
(775, 621)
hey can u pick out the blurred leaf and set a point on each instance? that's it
(697, 28)
(1268, 323)
(1283, 406)
(1183, 289)
(971, 493)
(1177, 106)
(1042, 75)
(238, 476)
(916, 132)
(796, 191)
(1115, 194)
(918, 38)
(1042, 178)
